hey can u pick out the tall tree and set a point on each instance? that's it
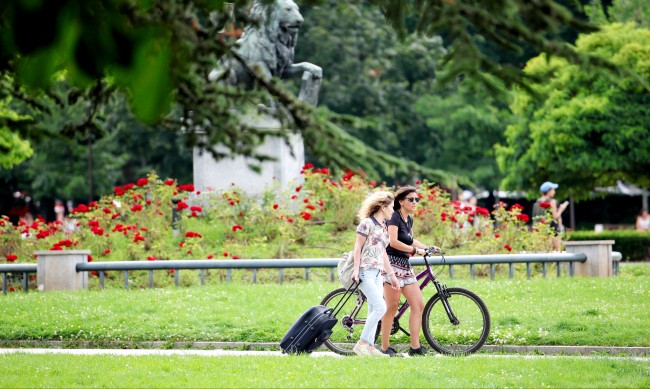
(371, 75)
(587, 129)
(464, 123)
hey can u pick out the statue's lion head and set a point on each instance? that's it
(281, 20)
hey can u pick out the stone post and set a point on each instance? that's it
(56, 270)
(599, 257)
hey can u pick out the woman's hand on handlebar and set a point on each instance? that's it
(432, 250)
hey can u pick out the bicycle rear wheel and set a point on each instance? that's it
(468, 335)
(351, 320)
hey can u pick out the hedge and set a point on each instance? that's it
(634, 245)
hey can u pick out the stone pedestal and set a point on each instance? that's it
(599, 257)
(212, 175)
(56, 270)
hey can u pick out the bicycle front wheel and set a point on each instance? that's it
(351, 319)
(467, 335)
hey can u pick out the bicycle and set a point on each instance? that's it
(455, 321)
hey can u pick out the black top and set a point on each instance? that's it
(404, 234)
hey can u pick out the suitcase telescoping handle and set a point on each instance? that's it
(348, 293)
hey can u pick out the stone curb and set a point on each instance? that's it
(505, 349)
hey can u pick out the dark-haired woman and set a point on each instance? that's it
(402, 246)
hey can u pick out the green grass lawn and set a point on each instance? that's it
(30, 371)
(552, 311)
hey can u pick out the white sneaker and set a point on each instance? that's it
(376, 353)
(361, 350)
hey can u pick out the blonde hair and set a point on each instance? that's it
(374, 202)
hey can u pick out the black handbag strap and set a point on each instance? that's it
(348, 293)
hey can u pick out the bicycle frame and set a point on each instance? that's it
(426, 276)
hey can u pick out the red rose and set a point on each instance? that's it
(90, 258)
(309, 206)
(81, 208)
(142, 182)
(192, 234)
(545, 204)
(305, 215)
(107, 251)
(210, 256)
(275, 206)
(523, 217)
(169, 182)
(136, 207)
(237, 227)
(11, 257)
(508, 247)
(196, 208)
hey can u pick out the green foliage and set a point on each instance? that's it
(620, 11)
(634, 245)
(114, 146)
(372, 81)
(474, 29)
(463, 125)
(587, 129)
(13, 149)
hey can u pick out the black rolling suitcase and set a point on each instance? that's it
(314, 327)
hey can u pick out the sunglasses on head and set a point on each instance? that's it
(413, 199)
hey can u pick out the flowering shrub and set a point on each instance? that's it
(135, 222)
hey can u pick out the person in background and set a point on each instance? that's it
(548, 203)
(643, 221)
(370, 261)
(59, 210)
(402, 246)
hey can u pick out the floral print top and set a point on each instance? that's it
(372, 253)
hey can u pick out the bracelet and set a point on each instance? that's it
(415, 250)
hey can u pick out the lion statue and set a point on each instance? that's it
(268, 48)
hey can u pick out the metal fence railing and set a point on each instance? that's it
(280, 264)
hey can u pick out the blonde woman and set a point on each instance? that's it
(370, 261)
